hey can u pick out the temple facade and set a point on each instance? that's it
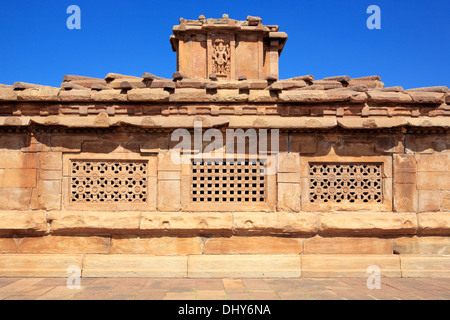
(224, 170)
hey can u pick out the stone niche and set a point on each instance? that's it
(227, 49)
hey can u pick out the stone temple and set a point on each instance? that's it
(359, 172)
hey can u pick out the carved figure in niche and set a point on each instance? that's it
(221, 58)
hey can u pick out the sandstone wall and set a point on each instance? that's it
(407, 233)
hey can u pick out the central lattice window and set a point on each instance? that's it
(95, 181)
(346, 183)
(228, 181)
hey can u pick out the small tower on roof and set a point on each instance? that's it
(227, 49)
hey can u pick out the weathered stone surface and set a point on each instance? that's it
(426, 97)
(15, 198)
(198, 95)
(159, 246)
(434, 180)
(108, 96)
(245, 266)
(385, 96)
(18, 178)
(8, 245)
(289, 195)
(253, 245)
(64, 245)
(148, 95)
(17, 159)
(348, 245)
(89, 222)
(38, 94)
(367, 223)
(422, 245)
(38, 265)
(429, 200)
(342, 265)
(8, 94)
(186, 223)
(17, 222)
(445, 200)
(433, 223)
(75, 95)
(406, 197)
(296, 223)
(425, 266)
(435, 162)
(134, 266)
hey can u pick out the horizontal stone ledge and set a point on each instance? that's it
(419, 266)
(367, 223)
(434, 223)
(22, 222)
(134, 266)
(244, 266)
(39, 265)
(346, 265)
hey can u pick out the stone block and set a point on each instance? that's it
(15, 198)
(39, 94)
(404, 163)
(425, 266)
(433, 180)
(148, 95)
(288, 162)
(429, 200)
(405, 197)
(8, 245)
(8, 94)
(304, 223)
(93, 222)
(134, 266)
(433, 223)
(159, 246)
(289, 196)
(244, 266)
(75, 95)
(64, 245)
(108, 96)
(367, 223)
(50, 161)
(186, 222)
(422, 245)
(18, 160)
(169, 195)
(445, 200)
(383, 96)
(354, 266)
(15, 222)
(433, 162)
(38, 265)
(253, 245)
(18, 178)
(255, 223)
(427, 97)
(348, 245)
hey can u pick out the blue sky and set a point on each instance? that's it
(326, 38)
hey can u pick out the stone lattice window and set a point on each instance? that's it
(228, 182)
(346, 183)
(95, 181)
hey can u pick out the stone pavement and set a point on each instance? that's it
(224, 289)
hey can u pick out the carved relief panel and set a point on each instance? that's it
(220, 55)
